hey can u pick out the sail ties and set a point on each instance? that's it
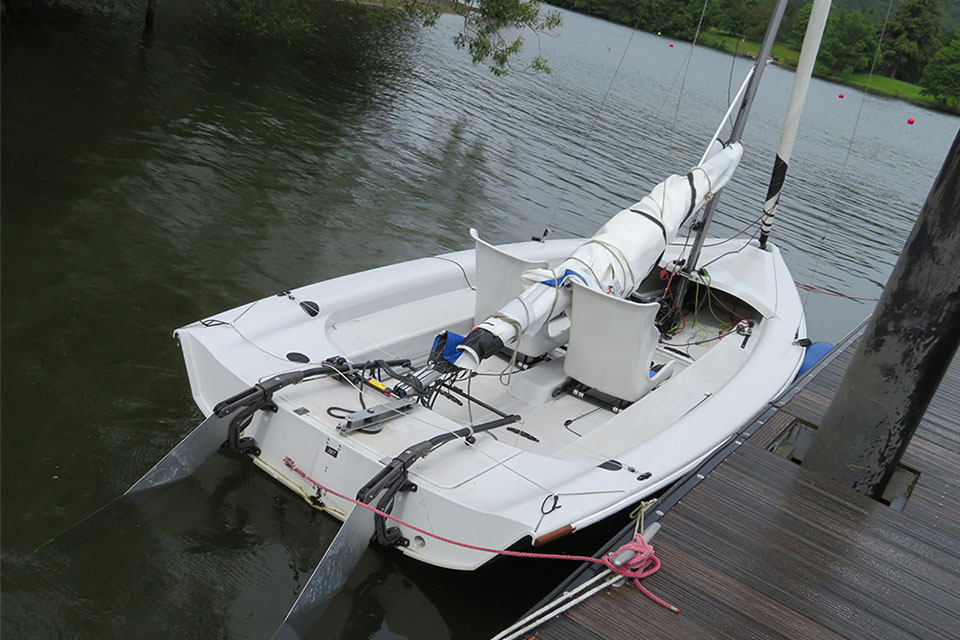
(693, 189)
(616, 287)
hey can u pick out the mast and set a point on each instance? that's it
(772, 27)
(808, 55)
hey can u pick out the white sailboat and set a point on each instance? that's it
(502, 397)
(593, 372)
(596, 405)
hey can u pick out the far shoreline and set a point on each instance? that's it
(786, 56)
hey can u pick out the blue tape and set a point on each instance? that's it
(450, 353)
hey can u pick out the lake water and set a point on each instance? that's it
(147, 185)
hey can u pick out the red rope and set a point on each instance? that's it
(831, 293)
(668, 276)
(643, 564)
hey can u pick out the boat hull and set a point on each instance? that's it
(505, 487)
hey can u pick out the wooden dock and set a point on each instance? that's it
(760, 548)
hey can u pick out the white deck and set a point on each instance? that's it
(491, 493)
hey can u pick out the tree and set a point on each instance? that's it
(911, 39)
(486, 23)
(941, 77)
(849, 41)
(676, 18)
(798, 27)
(756, 24)
(731, 16)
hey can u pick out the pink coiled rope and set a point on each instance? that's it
(643, 564)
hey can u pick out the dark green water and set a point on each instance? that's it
(149, 184)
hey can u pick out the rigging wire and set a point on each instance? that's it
(685, 66)
(733, 63)
(593, 122)
(693, 46)
(810, 290)
(733, 251)
(846, 157)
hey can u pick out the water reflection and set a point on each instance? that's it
(381, 604)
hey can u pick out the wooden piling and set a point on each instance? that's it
(909, 343)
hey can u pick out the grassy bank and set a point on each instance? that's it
(785, 55)
(788, 56)
(888, 86)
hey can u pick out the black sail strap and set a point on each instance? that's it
(649, 217)
(693, 197)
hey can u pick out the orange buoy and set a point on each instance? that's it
(910, 120)
(840, 96)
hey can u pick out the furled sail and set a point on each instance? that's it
(614, 260)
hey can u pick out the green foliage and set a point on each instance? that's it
(941, 77)
(677, 18)
(798, 26)
(286, 19)
(749, 18)
(756, 25)
(486, 22)
(949, 20)
(620, 11)
(784, 54)
(674, 18)
(731, 16)
(951, 17)
(849, 42)
(911, 39)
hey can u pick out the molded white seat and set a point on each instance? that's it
(612, 341)
(498, 282)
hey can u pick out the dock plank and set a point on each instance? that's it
(762, 548)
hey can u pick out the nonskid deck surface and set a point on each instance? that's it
(549, 422)
(553, 422)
